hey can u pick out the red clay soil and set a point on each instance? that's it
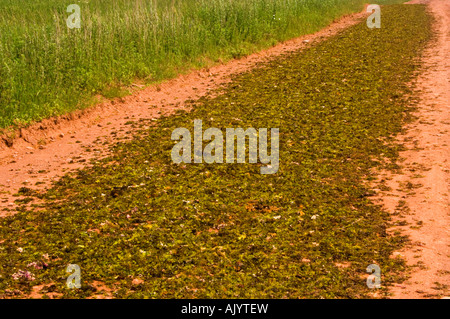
(422, 190)
(45, 151)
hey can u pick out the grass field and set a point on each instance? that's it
(48, 69)
(226, 231)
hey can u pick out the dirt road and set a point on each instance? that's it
(47, 150)
(421, 194)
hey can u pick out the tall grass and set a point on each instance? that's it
(48, 69)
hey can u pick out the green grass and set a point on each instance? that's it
(226, 231)
(47, 69)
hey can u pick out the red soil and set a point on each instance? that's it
(49, 145)
(426, 165)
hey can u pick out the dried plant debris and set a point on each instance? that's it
(225, 230)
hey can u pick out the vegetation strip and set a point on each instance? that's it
(146, 227)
